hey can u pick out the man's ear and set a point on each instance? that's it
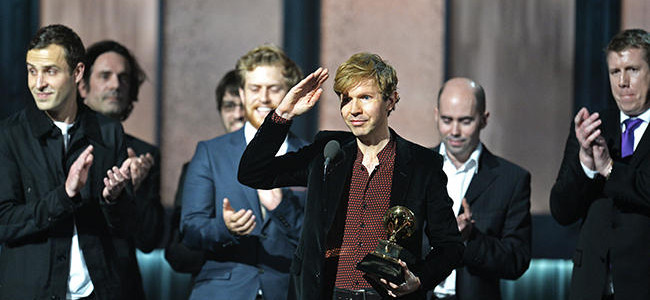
(241, 94)
(78, 72)
(484, 119)
(392, 101)
(81, 87)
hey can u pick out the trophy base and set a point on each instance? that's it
(382, 267)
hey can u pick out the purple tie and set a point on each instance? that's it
(627, 140)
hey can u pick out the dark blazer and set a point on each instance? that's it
(237, 266)
(418, 183)
(180, 257)
(36, 215)
(614, 216)
(499, 244)
(149, 210)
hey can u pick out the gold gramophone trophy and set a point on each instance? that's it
(399, 223)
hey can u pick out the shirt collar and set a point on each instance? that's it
(471, 162)
(249, 134)
(645, 116)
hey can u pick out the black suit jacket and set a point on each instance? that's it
(418, 183)
(499, 244)
(614, 215)
(36, 215)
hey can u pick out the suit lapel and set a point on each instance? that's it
(237, 145)
(642, 149)
(336, 180)
(402, 171)
(483, 178)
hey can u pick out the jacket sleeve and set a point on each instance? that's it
(22, 211)
(573, 191)
(259, 168)
(289, 214)
(120, 214)
(202, 223)
(629, 186)
(506, 255)
(442, 231)
(180, 257)
(149, 210)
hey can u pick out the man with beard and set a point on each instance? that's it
(229, 105)
(350, 194)
(110, 86)
(249, 235)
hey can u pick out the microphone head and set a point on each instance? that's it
(332, 148)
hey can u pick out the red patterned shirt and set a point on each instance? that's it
(367, 204)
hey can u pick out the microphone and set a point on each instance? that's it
(332, 149)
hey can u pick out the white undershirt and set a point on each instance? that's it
(458, 180)
(79, 283)
(638, 134)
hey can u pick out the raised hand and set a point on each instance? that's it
(465, 222)
(115, 181)
(270, 198)
(411, 284)
(241, 222)
(139, 167)
(586, 129)
(303, 96)
(602, 159)
(78, 174)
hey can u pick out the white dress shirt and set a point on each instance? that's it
(79, 283)
(458, 180)
(638, 134)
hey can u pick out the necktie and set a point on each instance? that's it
(627, 140)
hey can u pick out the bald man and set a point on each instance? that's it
(491, 197)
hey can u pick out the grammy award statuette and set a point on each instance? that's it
(383, 262)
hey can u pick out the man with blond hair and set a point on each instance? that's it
(350, 192)
(249, 235)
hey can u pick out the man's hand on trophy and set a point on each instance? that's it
(411, 284)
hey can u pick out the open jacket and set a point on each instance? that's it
(237, 266)
(418, 183)
(36, 215)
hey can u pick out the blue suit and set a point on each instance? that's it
(237, 266)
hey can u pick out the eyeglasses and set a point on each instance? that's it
(231, 106)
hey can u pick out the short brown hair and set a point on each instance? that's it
(631, 38)
(268, 55)
(362, 66)
(63, 36)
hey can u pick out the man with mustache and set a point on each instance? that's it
(349, 196)
(66, 206)
(603, 181)
(249, 235)
(230, 108)
(491, 197)
(110, 86)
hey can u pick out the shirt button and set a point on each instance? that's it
(360, 244)
(361, 225)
